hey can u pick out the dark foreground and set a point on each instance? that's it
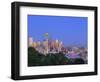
(37, 59)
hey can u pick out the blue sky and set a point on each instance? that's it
(72, 31)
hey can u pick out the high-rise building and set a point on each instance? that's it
(30, 42)
(45, 45)
(60, 46)
(34, 44)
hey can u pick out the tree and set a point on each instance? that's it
(37, 59)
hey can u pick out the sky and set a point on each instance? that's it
(72, 31)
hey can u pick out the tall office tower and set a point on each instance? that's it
(60, 46)
(46, 48)
(34, 44)
(30, 42)
(57, 45)
(46, 43)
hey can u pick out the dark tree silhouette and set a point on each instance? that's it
(37, 59)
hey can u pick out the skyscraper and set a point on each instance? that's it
(30, 42)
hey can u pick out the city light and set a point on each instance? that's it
(55, 46)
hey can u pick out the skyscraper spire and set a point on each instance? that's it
(46, 35)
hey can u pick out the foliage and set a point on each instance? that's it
(37, 59)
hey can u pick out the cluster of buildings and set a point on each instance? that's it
(56, 46)
(47, 46)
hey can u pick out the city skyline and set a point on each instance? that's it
(51, 48)
(59, 28)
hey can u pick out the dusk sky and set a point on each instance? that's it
(72, 31)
